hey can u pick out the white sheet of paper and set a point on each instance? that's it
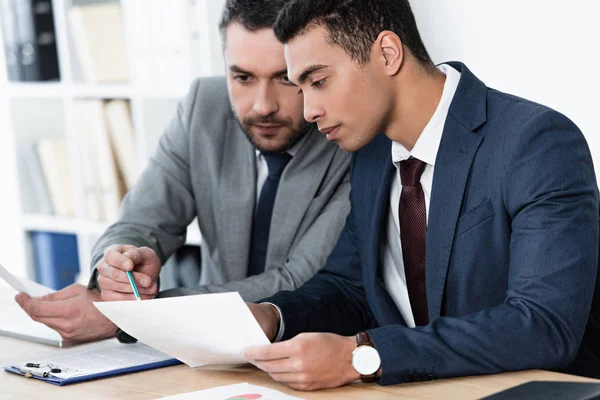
(16, 323)
(197, 330)
(242, 391)
(32, 288)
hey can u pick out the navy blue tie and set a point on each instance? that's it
(262, 216)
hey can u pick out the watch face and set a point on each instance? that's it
(365, 360)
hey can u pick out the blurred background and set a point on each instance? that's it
(87, 88)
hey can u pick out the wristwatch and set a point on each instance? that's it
(365, 358)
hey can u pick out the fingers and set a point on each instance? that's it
(275, 351)
(128, 258)
(107, 284)
(109, 272)
(40, 309)
(66, 293)
(117, 296)
(142, 255)
(114, 257)
(281, 366)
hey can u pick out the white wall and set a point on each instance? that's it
(12, 252)
(544, 50)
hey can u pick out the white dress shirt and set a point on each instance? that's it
(425, 149)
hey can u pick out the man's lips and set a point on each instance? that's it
(266, 126)
(328, 130)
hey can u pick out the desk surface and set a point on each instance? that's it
(180, 379)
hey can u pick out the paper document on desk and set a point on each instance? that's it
(197, 330)
(33, 289)
(241, 391)
(14, 321)
(91, 361)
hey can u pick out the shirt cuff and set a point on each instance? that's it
(281, 323)
(93, 282)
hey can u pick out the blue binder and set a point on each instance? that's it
(56, 259)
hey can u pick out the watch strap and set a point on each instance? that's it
(363, 339)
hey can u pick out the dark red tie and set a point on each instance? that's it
(413, 234)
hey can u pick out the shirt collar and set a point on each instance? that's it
(428, 143)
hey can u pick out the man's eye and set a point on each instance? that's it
(319, 83)
(241, 78)
(286, 80)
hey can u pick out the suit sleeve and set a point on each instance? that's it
(157, 210)
(334, 300)
(307, 257)
(551, 196)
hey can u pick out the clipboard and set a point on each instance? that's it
(76, 367)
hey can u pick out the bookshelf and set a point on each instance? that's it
(34, 111)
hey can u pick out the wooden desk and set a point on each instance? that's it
(180, 379)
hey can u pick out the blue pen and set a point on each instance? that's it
(135, 289)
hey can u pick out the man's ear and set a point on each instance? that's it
(391, 52)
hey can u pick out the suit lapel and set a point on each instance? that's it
(299, 183)
(237, 198)
(383, 307)
(453, 163)
(455, 156)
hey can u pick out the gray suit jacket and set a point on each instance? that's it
(205, 167)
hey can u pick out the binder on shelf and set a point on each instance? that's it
(120, 128)
(98, 34)
(45, 34)
(11, 41)
(103, 187)
(56, 259)
(37, 40)
(36, 196)
(54, 159)
(165, 45)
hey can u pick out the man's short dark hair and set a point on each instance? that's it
(253, 15)
(353, 24)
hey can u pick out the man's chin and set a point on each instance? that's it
(272, 143)
(270, 146)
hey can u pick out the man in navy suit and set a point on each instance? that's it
(472, 242)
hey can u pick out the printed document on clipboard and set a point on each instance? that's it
(92, 361)
(14, 321)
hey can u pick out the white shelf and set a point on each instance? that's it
(101, 91)
(61, 225)
(54, 224)
(63, 90)
(46, 110)
(36, 90)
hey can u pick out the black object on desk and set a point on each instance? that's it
(549, 390)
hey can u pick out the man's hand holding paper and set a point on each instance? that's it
(197, 330)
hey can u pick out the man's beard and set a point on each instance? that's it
(297, 133)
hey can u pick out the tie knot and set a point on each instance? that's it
(277, 163)
(411, 171)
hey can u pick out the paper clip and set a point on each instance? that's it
(32, 369)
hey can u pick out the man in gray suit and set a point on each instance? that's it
(269, 191)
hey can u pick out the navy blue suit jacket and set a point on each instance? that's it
(512, 249)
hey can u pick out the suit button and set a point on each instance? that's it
(431, 377)
(406, 378)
